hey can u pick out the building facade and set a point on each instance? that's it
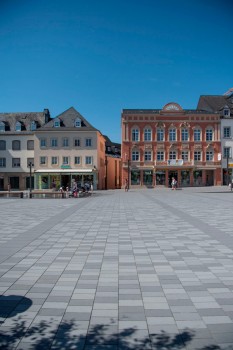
(171, 142)
(17, 138)
(68, 149)
(113, 164)
(222, 104)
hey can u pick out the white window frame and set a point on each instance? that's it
(76, 158)
(184, 134)
(160, 134)
(209, 156)
(226, 132)
(53, 142)
(160, 156)
(78, 123)
(227, 150)
(135, 134)
(185, 155)
(54, 160)
(2, 162)
(147, 156)
(56, 123)
(135, 156)
(43, 143)
(65, 142)
(147, 134)
(65, 160)
(88, 142)
(197, 156)
(88, 160)
(18, 126)
(43, 160)
(197, 135)
(172, 134)
(209, 134)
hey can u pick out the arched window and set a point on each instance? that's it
(209, 134)
(184, 134)
(147, 134)
(135, 134)
(172, 134)
(197, 134)
(160, 134)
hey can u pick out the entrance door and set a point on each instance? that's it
(172, 174)
(65, 181)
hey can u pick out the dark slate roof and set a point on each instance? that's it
(113, 146)
(25, 118)
(215, 103)
(67, 120)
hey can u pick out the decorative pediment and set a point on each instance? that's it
(148, 146)
(160, 125)
(185, 125)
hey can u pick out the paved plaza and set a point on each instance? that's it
(144, 269)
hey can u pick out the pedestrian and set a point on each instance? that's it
(174, 183)
(91, 187)
(126, 185)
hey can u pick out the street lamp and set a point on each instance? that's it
(30, 179)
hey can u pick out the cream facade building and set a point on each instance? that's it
(69, 149)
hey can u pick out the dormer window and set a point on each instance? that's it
(56, 123)
(18, 126)
(2, 127)
(226, 112)
(77, 123)
(33, 125)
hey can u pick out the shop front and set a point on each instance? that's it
(51, 179)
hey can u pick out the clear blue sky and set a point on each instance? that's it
(101, 56)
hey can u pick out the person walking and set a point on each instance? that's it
(126, 185)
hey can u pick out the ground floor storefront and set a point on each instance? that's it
(47, 179)
(184, 177)
(16, 181)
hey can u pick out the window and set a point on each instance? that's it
(88, 160)
(184, 135)
(43, 143)
(56, 123)
(18, 126)
(88, 142)
(43, 160)
(209, 155)
(226, 112)
(147, 135)
(135, 135)
(172, 134)
(33, 125)
(147, 156)
(2, 145)
(65, 142)
(135, 156)
(77, 142)
(2, 126)
(172, 155)
(160, 156)
(16, 145)
(53, 142)
(226, 132)
(16, 162)
(185, 155)
(77, 123)
(2, 162)
(197, 135)
(209, 135)
(160, 134)
(227, 152)
(30, 160)
(77, 160)
(30, 144)
(54, 161)
(65, 160)
(197, 155)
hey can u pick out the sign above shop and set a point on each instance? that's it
(230, 165)
(175, 162)
(65, 167)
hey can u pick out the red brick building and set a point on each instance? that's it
(158, 144)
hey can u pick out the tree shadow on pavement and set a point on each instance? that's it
(68, 335)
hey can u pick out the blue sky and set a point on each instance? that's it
(101, 56)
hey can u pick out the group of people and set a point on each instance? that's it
(75, 189)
